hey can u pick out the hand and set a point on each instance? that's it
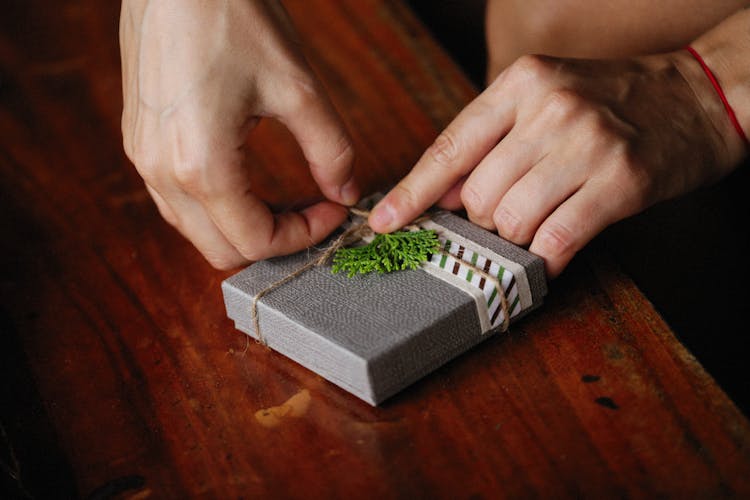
(197, 77)
(555, 150)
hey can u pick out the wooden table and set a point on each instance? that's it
(124, 378)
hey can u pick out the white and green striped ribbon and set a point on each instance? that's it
(456, 264)
(455, 259)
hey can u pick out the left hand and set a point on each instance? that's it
(555, 150)
(197, 78)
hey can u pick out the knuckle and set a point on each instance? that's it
(301, 90)
(471, 199)
(601, 135)
(475, 206)
(190, 174)
(509, 225)
(530, 68)
(224, 259)
(564, 103)
(597, 125)
(557, 239)
(191, 170)
(223, 262)
(205, 169)
(253, 253)
(405, 198)
(445, 150)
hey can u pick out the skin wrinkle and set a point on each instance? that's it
(508, 224)
(345, 148)
(445, 150)
(472, 200)
(549, 236)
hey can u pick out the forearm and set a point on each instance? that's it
(597, 30)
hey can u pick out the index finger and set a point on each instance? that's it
(455, 152)
(305, 109)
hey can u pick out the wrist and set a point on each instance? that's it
(732, 149)
(725, 51)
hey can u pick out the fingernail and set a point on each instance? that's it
(350, 193)
(382, 217)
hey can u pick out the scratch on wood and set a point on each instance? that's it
(296, 406)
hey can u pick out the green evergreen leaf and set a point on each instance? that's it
(387, 253)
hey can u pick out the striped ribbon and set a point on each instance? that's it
(496, 283)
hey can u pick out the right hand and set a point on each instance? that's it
(557, 149)
(197, 77)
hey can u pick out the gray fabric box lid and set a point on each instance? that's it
(372, 334)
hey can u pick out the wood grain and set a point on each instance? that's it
(124, 376)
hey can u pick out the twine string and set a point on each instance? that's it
(350, 235)
(353, 233)
(504, 307)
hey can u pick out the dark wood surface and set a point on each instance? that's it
(123, 378)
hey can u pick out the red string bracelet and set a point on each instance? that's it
(717, 87)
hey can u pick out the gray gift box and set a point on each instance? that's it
(375, 334)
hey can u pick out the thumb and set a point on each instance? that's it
(304, 108)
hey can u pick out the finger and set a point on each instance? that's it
(454, 153)
(451, 200)
(315, 223)
(250, 226)
(535, 196)
(189, 217)
(304, 108)
(496, 173)
(576, 222)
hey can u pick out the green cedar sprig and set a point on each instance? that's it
(387, 252)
